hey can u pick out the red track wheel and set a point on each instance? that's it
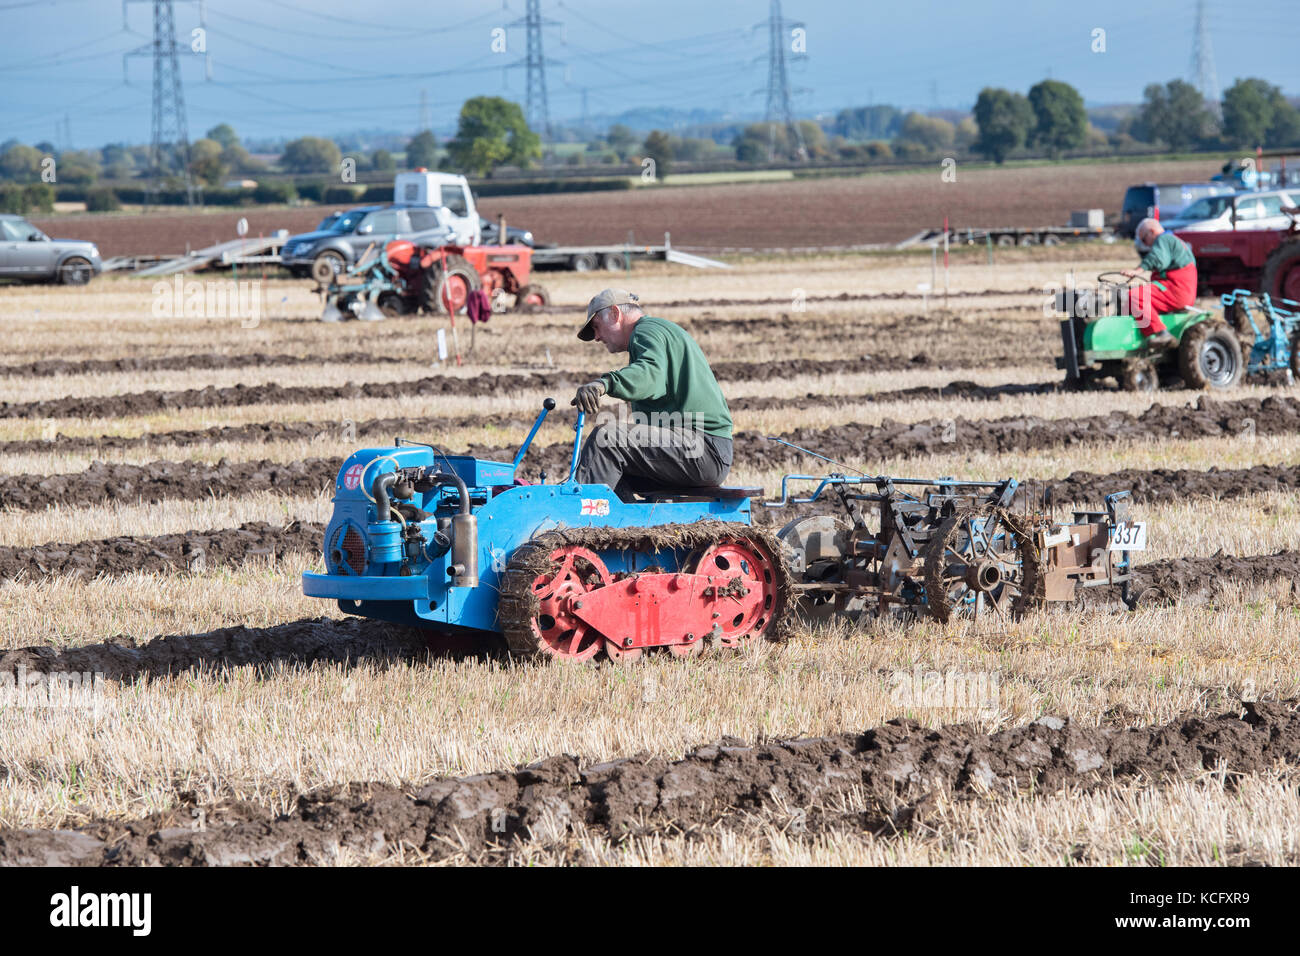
(559, 632)
(749, 566)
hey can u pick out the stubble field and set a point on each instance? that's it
(240, 722)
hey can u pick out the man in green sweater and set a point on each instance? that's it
(678, 430)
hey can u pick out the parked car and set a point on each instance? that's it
(1245, 210)
(343, 238)
(1162, 201)
(522, 237)
(27, 253)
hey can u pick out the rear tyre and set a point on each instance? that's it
(531, 297)
(393, 305)
(1006, 241)
(1029, 240)
(326, 266)
(1237, 317)
(1138, 375)
(1281, 276)
(448, 291)
(614, 262)
(1051, 240)
(75, 271)
(585, 263)
(1295, 358)
(1209, 356)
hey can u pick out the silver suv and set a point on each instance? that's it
(1245, 210)
(27, 253)
(342, 238)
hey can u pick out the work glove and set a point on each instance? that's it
(588, 397)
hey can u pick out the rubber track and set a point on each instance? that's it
(519, 604)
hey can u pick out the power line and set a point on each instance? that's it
(351, 23)
(350, 36)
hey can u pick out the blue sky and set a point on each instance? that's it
(296, 67)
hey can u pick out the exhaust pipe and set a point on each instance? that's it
(464, 551)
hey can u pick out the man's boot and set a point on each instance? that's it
(1160, 341)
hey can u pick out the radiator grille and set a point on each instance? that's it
(352, 548)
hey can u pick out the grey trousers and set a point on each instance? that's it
(680, 457)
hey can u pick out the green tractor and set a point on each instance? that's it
(1102, 342)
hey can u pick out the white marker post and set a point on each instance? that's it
(241, 230)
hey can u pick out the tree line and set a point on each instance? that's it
(492, 132)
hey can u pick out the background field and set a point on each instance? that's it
(828, 212)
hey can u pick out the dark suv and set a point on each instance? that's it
(27, 253)
(342, 238)
(1162, 201)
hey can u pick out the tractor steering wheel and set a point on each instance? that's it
(1119, 278)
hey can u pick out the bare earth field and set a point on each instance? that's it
(165, 482)
(831, 212)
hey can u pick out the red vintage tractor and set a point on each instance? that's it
(405, 278)
(453, 272)
(1261, 260)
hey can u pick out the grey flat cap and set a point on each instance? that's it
(603, 300)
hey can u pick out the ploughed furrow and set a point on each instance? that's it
(840, 297)
(198, 551)
(46, 368)
(1208, 418)
(187, 551)
(487, 383)
(387, 427)
(1273, 415)
(1179, 578)
(902, 769)
(161, 480)
(297, 642)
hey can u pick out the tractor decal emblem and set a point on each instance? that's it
(352, 477)
(595, 506)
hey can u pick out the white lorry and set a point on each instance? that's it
(423, 188)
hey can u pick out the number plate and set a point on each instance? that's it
(1129, 536)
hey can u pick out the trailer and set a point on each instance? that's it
(1007, 236)
(617, 258)
(244, 251)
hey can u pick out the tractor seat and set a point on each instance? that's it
(651, 490)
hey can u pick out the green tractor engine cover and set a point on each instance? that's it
(1118, 336)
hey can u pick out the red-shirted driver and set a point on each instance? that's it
(1173, 281)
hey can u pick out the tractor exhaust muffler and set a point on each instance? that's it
(464, 551)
